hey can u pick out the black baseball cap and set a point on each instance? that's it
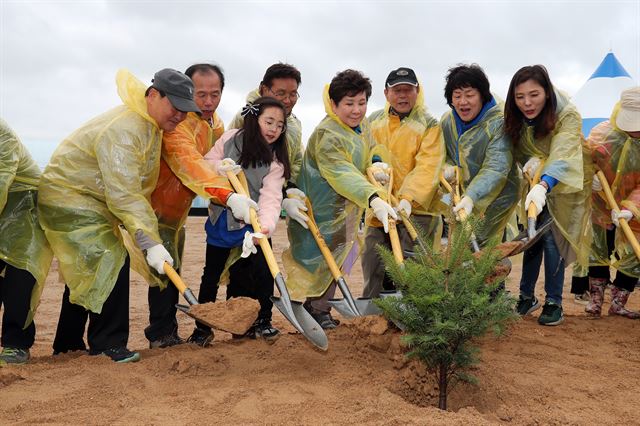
(178, 88)
(401, 76)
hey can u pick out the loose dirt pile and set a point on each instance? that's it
(234, 315)
(582, 372)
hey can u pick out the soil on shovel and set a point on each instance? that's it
(235, 315)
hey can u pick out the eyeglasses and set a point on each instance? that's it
(282, 95)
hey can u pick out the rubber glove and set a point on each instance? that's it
(537, 196)
(240, 206)
(404, 206)
(465, 204)
(380, 172)
(228, 165)
(249, 243)
(596, 186)
(382, 211)
(531, 166)
(156, 256)
(294, 206)
(623, 214)
(449, 174)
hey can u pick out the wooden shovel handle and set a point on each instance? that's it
(531, 208)
(628, 233)
(174, 277)
(322, 245)
(264, 244)
(396, 248)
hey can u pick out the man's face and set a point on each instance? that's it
(283, 89)
(208, 92)
(467, 102)
(163, 112)
(402, 97)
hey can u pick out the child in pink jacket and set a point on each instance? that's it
(259, 149)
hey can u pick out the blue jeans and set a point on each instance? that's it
(553, 269)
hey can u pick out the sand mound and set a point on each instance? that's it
(235, 315)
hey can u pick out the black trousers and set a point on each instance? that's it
(162, 311)
(15, 299)
(622, 280)
(248, 277)
(108, 329)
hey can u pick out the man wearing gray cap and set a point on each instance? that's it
(615, 148)
(93, 203)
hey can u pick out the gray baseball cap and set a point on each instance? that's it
(178, 88)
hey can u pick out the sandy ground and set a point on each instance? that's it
(582, 372)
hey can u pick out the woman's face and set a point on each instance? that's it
(271, 123)
(530, 98)
(467, 102)
(351, 109)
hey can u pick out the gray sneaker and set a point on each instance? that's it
(14, 356)
(526, 305)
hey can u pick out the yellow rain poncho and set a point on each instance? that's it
(99, 178)
(333, 177)
(183, 174)
(489, 174)
(567, 159)
(618, 156)
(22, 244)
(294, 136)
(417, 150)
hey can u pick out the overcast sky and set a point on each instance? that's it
(58, 59)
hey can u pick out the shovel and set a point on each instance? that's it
(531, 209)
(293, 311)
(628, 233)
(348, 306)
(191, 299)
(462, 214)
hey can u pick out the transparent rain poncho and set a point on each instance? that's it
(567, 159)
(618, 156)
(417, 154)
(99, 178)
(294, 136)
(489, 174)
(333, 177)
(183, 174)
(23, 244)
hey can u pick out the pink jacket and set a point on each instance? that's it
(271, 192)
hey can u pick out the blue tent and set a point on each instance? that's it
(596, 99)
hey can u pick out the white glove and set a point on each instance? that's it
(404, 206)
(240, 206)
(382, 210)
(537, 196)
(380, 172)
(465, 204)
(449, 173)
(531, 166)
(624, 214)
(596, 186)
(248, 247)
(156, 256)
(294, 206)
(228, 165)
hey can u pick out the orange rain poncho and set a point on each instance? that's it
(183, 174)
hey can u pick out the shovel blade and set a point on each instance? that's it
(298, 316)
(343, 307)
(187, 310)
